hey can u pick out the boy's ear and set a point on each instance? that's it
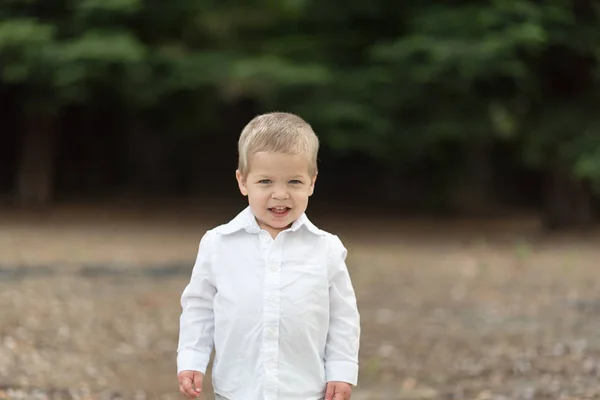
(312, 184)
(241, 182)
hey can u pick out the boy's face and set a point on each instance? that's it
(278, 186)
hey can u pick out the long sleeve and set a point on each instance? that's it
(341, 351)
(196, 325)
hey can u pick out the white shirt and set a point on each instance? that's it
(281, 313)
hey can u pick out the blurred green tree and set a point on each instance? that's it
(438, 84)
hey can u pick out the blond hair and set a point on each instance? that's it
(277, 132)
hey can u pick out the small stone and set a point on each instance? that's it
(409, 384)
(140, 395)
(558, 349)
(484, 395)
(386, 350)
(10, 343)
(589, 366)
(384, 316)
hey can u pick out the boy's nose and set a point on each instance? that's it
(280, 194)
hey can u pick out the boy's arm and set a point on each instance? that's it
(196, 324)
(341, 351)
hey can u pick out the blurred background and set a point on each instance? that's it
(460, 165)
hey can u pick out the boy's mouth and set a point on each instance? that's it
(279, 210)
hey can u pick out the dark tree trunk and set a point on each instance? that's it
(36, 167)
(473, 194)
(568, 202)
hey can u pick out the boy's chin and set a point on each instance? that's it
(281, 222)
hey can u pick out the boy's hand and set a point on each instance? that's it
(338, 391)
(190, 383)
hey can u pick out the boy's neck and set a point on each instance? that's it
(272, 231)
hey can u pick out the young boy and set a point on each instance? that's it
(269, 289)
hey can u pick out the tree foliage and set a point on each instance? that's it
(397, 81)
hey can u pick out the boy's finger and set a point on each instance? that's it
(188, 388)
(198, 381)
(329, 391)
(183, 392)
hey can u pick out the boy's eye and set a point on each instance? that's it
(295, 181)
(264, 181)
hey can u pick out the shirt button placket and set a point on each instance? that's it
(272, 304)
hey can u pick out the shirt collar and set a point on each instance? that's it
(245, 220)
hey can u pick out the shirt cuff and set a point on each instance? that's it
(342, 371)
(193, 361)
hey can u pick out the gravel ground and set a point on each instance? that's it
(444, 316)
